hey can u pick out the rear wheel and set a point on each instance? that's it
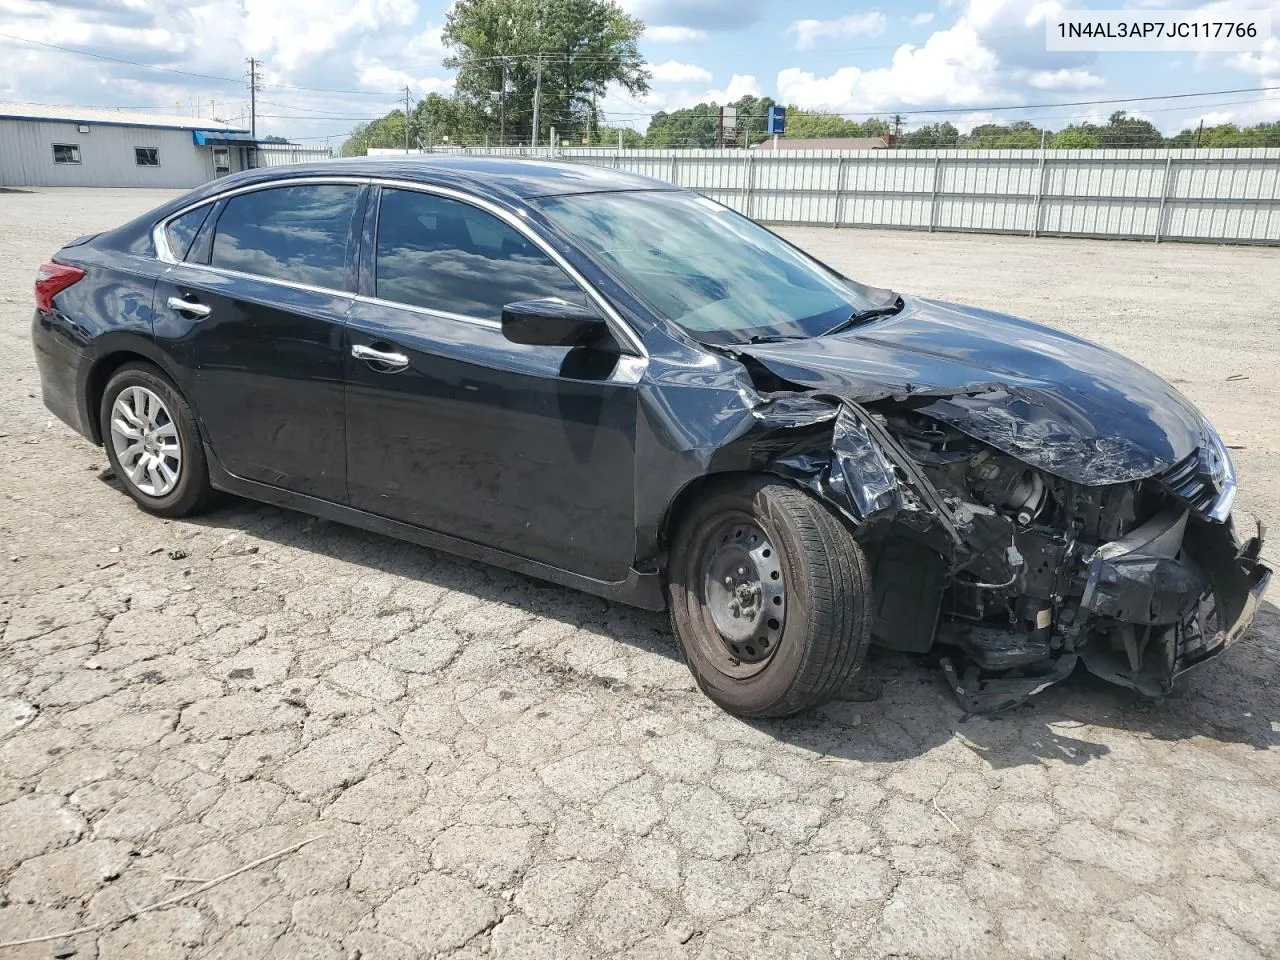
(153, 442)
(770, 598)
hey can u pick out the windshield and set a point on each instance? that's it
(721, 277)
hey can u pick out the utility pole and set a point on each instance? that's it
(502, 127)
(1199, 130)
(253, 98)
(537, 98)
(406, 118)
(720, 128)
(897, 127)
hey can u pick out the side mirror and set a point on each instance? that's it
(553, 323)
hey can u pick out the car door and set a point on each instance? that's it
(454, 428)
(254, 316)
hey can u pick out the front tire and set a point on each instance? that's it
(153, 442)
(770, 598)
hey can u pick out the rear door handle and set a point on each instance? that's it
(389, 359)
(188, 306)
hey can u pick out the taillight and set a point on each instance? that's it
(51, 280)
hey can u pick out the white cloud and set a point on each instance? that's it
(675, 72)
(675, 34)
(297, 32)
(1263, 63)
(379, 75)
(620, 107)
(740, 85)
(373, 45)
(952, 67)
(809, 32)
(1064, 80)
(920, 19)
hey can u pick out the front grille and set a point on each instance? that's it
(1187, 481)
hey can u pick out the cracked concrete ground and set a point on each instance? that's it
(497, 767)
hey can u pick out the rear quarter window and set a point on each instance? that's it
(180, 231)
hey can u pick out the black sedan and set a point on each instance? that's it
(598, 379)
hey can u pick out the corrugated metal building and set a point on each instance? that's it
(43, 146)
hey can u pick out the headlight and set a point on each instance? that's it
(1218, 468)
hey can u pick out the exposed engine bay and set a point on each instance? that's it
(1021, 574)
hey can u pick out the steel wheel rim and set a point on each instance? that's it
(744, 595)
(145, 438)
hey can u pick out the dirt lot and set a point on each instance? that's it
(495, 767)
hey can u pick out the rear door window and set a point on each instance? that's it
(301, 234)
(180, 231)
(449, 256)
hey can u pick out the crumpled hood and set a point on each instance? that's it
(1057, 402)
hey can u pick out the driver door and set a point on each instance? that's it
(454, 428)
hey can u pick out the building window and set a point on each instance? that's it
(66, 153)
(221, 161)
(146, 156)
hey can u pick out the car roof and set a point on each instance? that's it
(497, 178)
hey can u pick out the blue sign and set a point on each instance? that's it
(777, 119)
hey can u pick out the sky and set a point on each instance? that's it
(326, 64)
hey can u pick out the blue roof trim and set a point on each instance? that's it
(209, 138)
(96, 122)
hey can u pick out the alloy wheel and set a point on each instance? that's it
(146, 443)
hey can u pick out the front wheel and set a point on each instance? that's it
(770, 598)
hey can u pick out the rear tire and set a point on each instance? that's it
(770, 598)
(153, 442)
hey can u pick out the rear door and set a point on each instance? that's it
(254, 315)
(529, 449)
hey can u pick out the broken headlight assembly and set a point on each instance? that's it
(1138, 580)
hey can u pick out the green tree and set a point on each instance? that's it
(811, 125)
(1124, 132)
(437, 120)
(933, 136)
(386, 131)
(580, 47)
(1021, 135)
(696, 126)
(691, 127)
(607, 136)
(1076, 137)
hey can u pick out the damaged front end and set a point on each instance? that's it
(1023, 572)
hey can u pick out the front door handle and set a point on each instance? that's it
(188, 306)
(388, 359)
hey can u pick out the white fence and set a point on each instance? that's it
(278, 154)
(1208, 196)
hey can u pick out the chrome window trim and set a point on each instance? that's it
(429, 312)
(290, 284)
(165, 255)
(627, 338)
